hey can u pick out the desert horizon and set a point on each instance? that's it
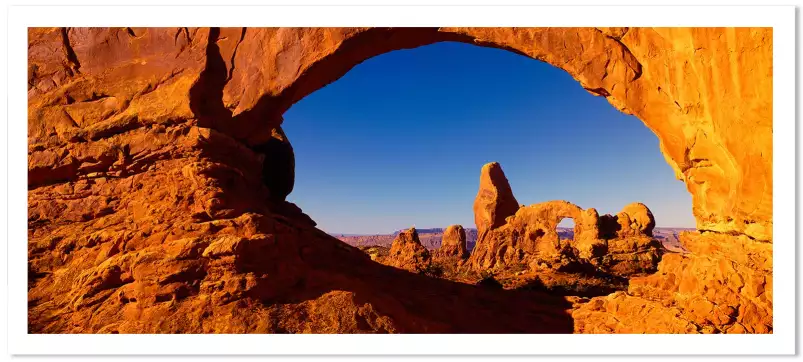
(441, 229)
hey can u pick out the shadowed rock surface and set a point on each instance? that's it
(278, 165)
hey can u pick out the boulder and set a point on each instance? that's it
(716, 293)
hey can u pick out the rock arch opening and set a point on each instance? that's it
(258, 93)
(387, 94)
(347, 119)
(152, 127)
(566, 228)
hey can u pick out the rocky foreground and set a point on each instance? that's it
(158, 174)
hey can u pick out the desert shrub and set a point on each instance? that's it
(432, 270)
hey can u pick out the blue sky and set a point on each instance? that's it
(401, 138)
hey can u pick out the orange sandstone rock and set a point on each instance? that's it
(630, 247)
(635, 219)
(495, 200)
(728, 290)
(530, 237)
(406, 252)
(143, 155)
(240, 81)
(621, 245)
(453, 242)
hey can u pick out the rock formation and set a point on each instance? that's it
(494, 201)
(453, 243)
(729, 290)
(629, 244)
(530, 237)
(621, 245)
(634, 220)
(407, 253)
(149, 210)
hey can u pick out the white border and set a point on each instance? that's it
(780, 342)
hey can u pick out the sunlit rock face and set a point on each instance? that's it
(622, 245)
(453, 243)
(724, 285)
(495, 201)
(406, 252)
(530, 236)
(145, 152)
(629, 244)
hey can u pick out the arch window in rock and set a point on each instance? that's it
(397, 141)
(188, 180)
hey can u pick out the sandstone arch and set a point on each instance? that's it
(530, 236)
(620, 245)
(602, 61)
(248, 77)
(142, 134)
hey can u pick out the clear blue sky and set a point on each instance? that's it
(400, 141)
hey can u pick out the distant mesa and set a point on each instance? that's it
(430, 238)
(421, 231)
